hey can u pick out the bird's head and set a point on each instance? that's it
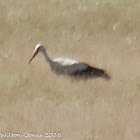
(38, 48)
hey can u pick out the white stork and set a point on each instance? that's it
(70, 67)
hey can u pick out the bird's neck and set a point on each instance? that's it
(47, 57)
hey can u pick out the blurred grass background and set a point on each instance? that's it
(102, 33)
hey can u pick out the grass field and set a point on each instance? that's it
(102, 33)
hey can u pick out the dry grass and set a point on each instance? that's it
(35, 100)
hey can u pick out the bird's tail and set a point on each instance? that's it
(107, 76)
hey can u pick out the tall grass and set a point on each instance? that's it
(102, 33)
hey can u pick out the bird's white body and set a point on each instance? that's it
(65, 61)
(69, 62)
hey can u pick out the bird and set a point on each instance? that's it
(70, 67)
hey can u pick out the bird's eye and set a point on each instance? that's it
(37, 50)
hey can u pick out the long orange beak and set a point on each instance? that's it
(32, 57)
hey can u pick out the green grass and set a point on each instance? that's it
(138, 82)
